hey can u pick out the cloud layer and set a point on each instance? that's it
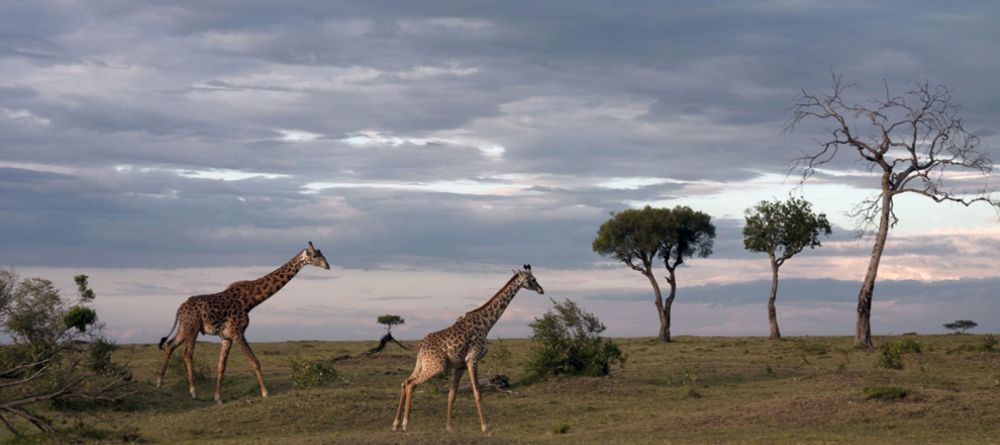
(455, 137)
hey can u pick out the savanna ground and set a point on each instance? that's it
(695, 390)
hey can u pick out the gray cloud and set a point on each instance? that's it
(109, 110)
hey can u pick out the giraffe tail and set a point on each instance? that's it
(164, 339)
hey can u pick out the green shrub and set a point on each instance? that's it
(310, 374)
(886, 392)
(567, 341)
(909, 345)
(988, 344)
(891, 353)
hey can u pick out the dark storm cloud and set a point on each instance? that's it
(110, 109)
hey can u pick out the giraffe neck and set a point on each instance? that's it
(486, 316)
(268, 285)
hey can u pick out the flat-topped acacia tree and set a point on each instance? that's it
(638, 237)
(389, 320)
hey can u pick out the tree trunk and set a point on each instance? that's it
(772, 313)
(863, 329)
(664, 335)
(381, 344)
(665, 314)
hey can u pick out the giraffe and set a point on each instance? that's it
(460, 347)
(226, 314)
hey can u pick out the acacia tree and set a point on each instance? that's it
(782, 229)
(389, 320)
(912, 141)
(960, 325)
(638, 237)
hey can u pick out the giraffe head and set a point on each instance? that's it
(528, 280)
(313, 256)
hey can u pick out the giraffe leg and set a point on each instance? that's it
(223, 357)
(474, 375)
(456, 377)
(189, 363)
(253, 362)
(427, 370)
(402, 396)
(168, 349)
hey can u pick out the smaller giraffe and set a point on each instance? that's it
(460, 347)
(227, 315)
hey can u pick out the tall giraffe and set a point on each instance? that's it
(460, 347)
(227, 315)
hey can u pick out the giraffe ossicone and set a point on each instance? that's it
(459, 348)
(227, 314)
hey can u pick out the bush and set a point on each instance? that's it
(891, 353)
(567, 342)
(989, 343)
(908, 345)
(311, 374)
(58, 359)
(886, 392)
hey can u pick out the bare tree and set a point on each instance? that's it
(913, 140)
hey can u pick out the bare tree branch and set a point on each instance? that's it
(912, 139)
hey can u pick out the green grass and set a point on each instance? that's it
(748, 390)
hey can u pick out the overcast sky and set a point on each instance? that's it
(170, 148)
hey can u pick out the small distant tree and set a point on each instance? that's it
(567, 341)
(389, 321)
(638, 237)
(960, 325)
(782, 229)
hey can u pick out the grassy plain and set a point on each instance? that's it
(695, 390)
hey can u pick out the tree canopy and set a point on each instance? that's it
(637, 237)
(783, 228)
(960, 325)
(390, 320)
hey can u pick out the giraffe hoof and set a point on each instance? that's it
(263, 393)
